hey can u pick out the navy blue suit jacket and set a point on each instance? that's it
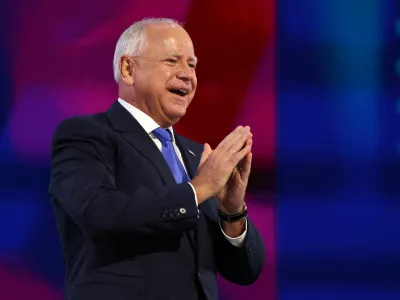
(127, 230)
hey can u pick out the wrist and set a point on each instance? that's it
(202, 189)
(234, 229)
(233, 217)
(232, 210)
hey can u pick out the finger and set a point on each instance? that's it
(206, 152)
(230, 138)
(249, 142)
(244, 175)
(241, 142)
(237, 157)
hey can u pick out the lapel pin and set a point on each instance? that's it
(191, 152)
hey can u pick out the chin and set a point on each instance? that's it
(177, 110)
(178, 114)
(174, 116)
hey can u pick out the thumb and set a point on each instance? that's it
(206, 152)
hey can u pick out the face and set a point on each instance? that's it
(163, 78)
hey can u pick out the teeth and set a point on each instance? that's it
(183, 91)
(180, 92)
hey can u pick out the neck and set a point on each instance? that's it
(162, 120)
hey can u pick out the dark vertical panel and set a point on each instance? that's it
(5, 79)
(338, 182)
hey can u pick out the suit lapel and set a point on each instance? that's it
(189, 157)
(123, 122)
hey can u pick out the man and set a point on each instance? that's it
(144, 213)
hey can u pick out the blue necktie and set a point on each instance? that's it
(168, 151)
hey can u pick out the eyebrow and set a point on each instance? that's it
(192, 58)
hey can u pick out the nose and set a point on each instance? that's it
(185, 73)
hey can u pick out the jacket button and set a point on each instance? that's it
(182, 210)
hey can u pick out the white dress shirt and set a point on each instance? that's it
(149, 125)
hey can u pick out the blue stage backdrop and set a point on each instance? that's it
(338, 149)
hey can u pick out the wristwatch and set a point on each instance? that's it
(235, 217)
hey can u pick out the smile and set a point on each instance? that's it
(179, 92)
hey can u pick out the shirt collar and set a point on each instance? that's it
(143, 119)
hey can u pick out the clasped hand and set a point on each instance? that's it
(224, 172)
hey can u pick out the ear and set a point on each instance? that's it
(127, 69)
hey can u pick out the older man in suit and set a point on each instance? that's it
(142, 212)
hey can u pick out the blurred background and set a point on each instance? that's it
(316, 80)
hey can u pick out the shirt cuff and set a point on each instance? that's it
(195, 195)
(237, 241)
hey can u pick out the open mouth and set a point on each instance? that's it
(179, 92)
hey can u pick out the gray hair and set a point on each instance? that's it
(133, 39)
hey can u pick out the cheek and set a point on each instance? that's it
(194, 85)
(194, 80)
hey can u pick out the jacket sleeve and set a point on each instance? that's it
(241, 265)
(83, 185)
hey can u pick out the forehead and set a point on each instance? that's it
(168, 40)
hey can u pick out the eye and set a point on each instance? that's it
(193, 66)
(171, 60)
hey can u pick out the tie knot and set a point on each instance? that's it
(164, 135)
